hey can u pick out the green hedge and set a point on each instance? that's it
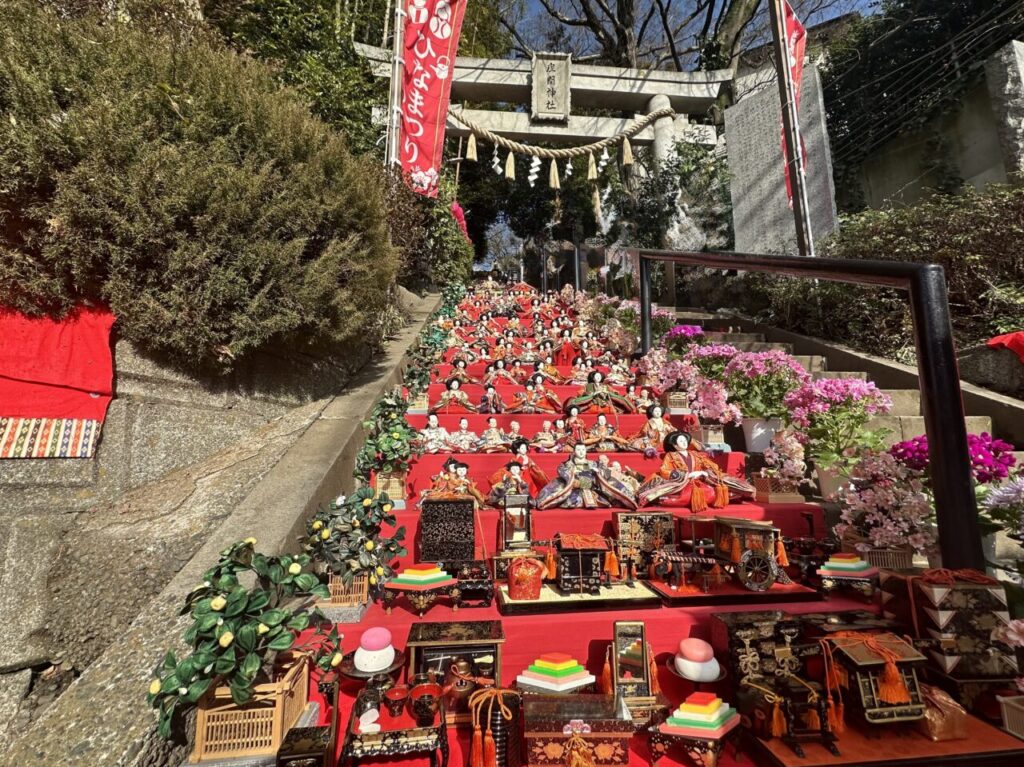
(176, 181)
(978, 239)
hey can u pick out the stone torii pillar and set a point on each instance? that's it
(664, 137)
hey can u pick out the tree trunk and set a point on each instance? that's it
(722, 51)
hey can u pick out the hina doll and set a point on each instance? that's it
(630, 477)
(459, 372)
(652, 434)
(530, 401)
(463, 440)
(598, 397)
(492, 440)
(689, 478)
(498, 373)
(602, 437)
(575, 429)
(532, 473)
(566, 351)
(545, 441)
(640, 401)
(433, 438)
(514, 434)
(580, 372)
(508, 481)
(468, 353)
(491, 402)
(530, 354)
(581, 484)
(446, 486)
(545, 394)
(548, 371)
(519, 373)
(453, 399)
(619, 374)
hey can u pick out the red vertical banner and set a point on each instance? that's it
(796, 46)
(431, 41)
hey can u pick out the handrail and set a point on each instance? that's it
(956, 509)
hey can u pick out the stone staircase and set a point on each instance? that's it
(903, 422)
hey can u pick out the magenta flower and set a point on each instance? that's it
(991, 458)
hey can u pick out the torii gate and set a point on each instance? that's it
(551, 85)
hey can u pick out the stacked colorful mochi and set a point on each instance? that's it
(555, 672)
(702, 715)
(847, 564)
(421, 577)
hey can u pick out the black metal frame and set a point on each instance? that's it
(938, 375)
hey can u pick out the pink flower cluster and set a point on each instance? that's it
(774, 363)
(710, 402)
(886, 504)
(829, 395)
(711, 359)
(991, 458)
(684, 331)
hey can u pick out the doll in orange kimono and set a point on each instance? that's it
(532, 473)
(689, 478)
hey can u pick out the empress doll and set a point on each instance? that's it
(581, 484)
(689, 478)
(498, 373)
(575, 429)
(453, 399)
(530, 401)
(652, 434)
(598, 397)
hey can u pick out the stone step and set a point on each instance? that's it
(904, 401)
(759, 346)
(812, 363)
(858, 374)
(725, 337)
(903, 427)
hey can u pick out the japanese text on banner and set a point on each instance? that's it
(432, 30)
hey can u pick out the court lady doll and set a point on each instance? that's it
(463, 440)
(453, 399)
(602, 437)
(651, 436)
(689, 478)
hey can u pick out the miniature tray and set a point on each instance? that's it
(730, 593)
(552, 600)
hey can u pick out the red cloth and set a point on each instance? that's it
(1012, 341)
(460, 218)
(56, 368)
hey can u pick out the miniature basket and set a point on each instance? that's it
(1013, 714)
(712, 433)
(677, 401)
(775, 490)
(525, 576)
(354, 594)
(225, 730)
(420, 402)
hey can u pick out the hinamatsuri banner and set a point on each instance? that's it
(796, 46)
(431, 42)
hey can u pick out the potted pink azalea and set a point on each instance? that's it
(758, 383)
(886, 511)
(681, 337)
(711, 359)
(830, 417)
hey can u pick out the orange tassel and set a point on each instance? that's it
(490, 750)
(840, 719)
(891, 687)
(778, 720)
(552, 565)
(611, 565)
(780, 554)
(698, 501)
(652, 670)
(843, 676)
(830, 712)
(606, 675)
(734, 550)
(476, 750)
(721, 496)
(812, 719)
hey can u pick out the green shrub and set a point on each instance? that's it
(176, 181)
(978, 239)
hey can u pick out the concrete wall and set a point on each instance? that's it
(981, 140)
(162, 419)
(964, 140)
(762, 219)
